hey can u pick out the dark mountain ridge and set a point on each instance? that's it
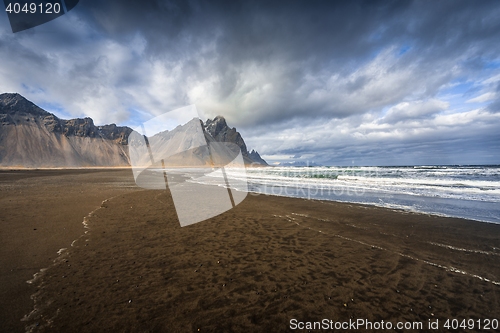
(33, 137)
(15, 110)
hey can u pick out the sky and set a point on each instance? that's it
(334, 82)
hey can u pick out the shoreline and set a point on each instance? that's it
(388, 205)
(273, 257)
(395, 209)
(19, 168)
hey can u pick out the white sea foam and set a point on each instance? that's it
(36, 275)
(471, 192)
(459, 183)
(61, 255)
(464, 250)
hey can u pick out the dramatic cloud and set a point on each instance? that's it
(376, 82)
(406, 111)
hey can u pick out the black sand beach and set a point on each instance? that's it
(250, 269)
(41, 212)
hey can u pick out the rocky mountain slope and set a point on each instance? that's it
(33, 137)
(221, 132)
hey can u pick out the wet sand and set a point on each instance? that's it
(41, 212)
(251, 269)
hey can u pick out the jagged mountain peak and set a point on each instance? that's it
(215, 126)
(221, 132)
(11, 103)
(255, 157)
(12, 97)
(31, 136)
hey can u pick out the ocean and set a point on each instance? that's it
(471, 192)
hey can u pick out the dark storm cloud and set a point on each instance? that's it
(322, 32)
(297, 78)
(305, 38)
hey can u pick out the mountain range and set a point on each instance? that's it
(297, 164)
(32, 137)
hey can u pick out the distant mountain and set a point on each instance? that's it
(33, 137)
(255, 157)
(297, 164)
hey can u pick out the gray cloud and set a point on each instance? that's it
(336, 80)
(414, 111)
